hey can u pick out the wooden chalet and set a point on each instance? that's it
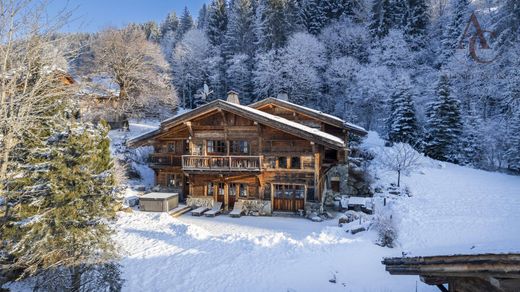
(273, 152)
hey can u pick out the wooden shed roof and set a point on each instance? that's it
(282, 124)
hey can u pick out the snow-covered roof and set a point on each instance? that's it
(315, 113)
(280, 123)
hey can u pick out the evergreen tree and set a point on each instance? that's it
(402, 123)
(202, 19)
(271, 24)
(240, 77)
(417, 21)
(444, 124)
(68, 196)
(382, 18)
(185, 24)
(293, 16)
(217, 22)
(507, 24)
(513, 149)
(313, 16)
(459, 16)
(170, 24)
(471, 141)
(240, 36)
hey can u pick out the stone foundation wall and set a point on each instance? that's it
(257, 207)
(200, 202)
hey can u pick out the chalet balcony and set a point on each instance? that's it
(165, 159)
(221, 163)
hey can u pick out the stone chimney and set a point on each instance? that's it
(232, 96)
(283, 96)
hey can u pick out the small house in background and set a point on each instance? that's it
(462, 273)
(272, 155)
(98, 99)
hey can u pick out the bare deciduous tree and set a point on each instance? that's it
(401, 158)
(136, 65)
(32, 63)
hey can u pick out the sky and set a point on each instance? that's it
(94, 15)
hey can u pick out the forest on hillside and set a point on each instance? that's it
(403, 68)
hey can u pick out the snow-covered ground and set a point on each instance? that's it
(452, 209)
(250, 253)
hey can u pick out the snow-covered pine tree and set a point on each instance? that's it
(271, 24)
(507, 24)
(458, 18)
(68, 196)
(170, 24)
(240, 36)
(217, 22)
(312, 16)
(202, 19)
(472, 141)
(293, 16)
(402, 121)
(185, 24)
(444, 124)
(513, 149)
(382, 18)
(417, 20)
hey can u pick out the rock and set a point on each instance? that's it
(316, 219)
(343, 220)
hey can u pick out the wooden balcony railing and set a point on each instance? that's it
(165, 159)
(221, 163)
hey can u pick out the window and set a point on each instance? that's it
(239, 147)
(310, 195)
(220, 189)
(272, 162)
(216, 146)
(173, 180)
(243, 191)
(210, 190)
(295, 163)
(334, 186)
(233, 190)
(289, 191)
(171, 147)
(282, 162)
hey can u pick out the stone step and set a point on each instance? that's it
(179, 210)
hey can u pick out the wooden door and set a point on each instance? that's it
(232, 195)
(220, 192)
(288, 198)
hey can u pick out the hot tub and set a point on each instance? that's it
(158, 202)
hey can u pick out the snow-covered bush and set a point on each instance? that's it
(386, 230)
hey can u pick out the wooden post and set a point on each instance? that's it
(317, 169)
(226, 196)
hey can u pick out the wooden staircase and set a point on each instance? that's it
(179, 210)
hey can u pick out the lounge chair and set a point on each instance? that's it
(238, 209)
(199, 211)
(217, 206)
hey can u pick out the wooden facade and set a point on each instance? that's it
(229, 152)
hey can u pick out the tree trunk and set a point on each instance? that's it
(398, 178)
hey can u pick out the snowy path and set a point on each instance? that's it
(257, 253)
